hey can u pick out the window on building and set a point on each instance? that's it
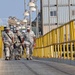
(53, 13)
(73, 12)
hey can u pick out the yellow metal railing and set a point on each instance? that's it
(1, 44)
(58, 43)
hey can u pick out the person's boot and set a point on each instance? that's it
(19, 57)
(5, 58)
(31, 58)
(27, 57)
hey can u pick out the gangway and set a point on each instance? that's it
(57, 45)
(34, 67)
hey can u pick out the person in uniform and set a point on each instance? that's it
(29, 42)
(18, 38)
(8, 39)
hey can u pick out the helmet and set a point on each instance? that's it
(17, 28)
(28, 27)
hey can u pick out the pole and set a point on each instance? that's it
(69, 10)
(49, 14)
(24, 6)
(30, 17)
(25, 11)
(57, 12)
(37, 27)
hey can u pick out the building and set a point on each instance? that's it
(56, 13)
(34, 24)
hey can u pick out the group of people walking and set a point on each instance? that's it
(16, 42)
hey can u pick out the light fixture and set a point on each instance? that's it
(19, 27)
(31, 4)
(14, 25)
(23, 27)
(25, 20)
(16, 20)
(33, 9)
(26, 13)
(18, 23)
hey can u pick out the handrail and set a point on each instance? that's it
(57, 42)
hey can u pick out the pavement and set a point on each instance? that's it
(34, 67)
